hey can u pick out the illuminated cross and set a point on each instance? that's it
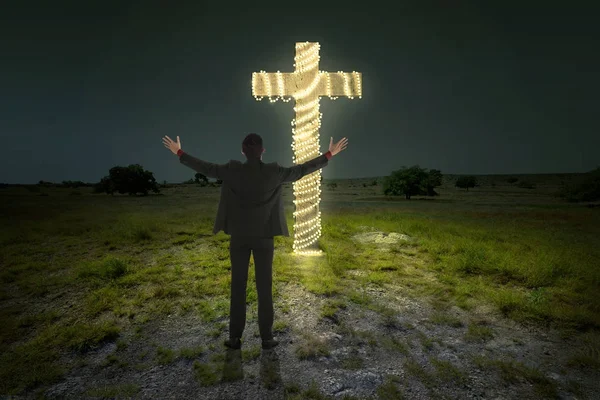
(305, 85)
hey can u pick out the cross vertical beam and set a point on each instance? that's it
(306, 85)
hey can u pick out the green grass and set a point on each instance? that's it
(280, 326)
(191, 352)
(512, 371)
(331, 307)
(311, 347)
(389, 389)
(394, 344)
(352, 362)
(446, 371)
(112, 391)
(206, 374)
(250, 354)
(445, 319)
(478, 331)
(78, 270)
(164, 355)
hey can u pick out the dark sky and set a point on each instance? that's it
(464, 87)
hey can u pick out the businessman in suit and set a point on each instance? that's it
(251, 211)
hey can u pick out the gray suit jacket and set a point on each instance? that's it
(250, 203)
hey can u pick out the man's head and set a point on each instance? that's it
(252, 146)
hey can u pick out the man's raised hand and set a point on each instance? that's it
(337, 147)
(171, 145)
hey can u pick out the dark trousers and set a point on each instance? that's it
(239, 252)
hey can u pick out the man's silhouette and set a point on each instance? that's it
(251, 211)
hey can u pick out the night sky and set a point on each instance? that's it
(463, 87)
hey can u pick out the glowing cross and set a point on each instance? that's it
(305, 85)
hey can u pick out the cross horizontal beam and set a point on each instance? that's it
(301, 85)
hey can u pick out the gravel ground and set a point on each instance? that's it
(267, 375)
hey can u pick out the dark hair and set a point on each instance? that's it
(252, 146)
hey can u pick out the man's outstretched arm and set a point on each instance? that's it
(292, 174)
(296, 172)
(211, 170)
(219, 171)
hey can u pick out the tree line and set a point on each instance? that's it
(406, 181)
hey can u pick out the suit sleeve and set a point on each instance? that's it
(296, 172)
(210, 170)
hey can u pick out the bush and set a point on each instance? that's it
(73, 184)
(465, 182)
(412, 181)
(512, 179)
(586, 188)
(105, 185)
(332, 185)
(131, 179)
(201, 179)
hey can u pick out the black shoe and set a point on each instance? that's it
(269, 343)
(233, 343)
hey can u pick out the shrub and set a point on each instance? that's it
(131, 179)
(586, 188)
(412, 181)
(465, 182)
(73, 184)
(201, 179)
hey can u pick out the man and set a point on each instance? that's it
(251, 211)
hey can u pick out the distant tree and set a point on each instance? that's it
(412, 181)
(132, 179)
(332, 185)
(433, 180)
(584, 188)
(219, 181)
(512, 179)
(465, 182)
(106, 185)
(72, 184)
(201, 179)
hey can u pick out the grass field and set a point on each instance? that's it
(78, 270)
